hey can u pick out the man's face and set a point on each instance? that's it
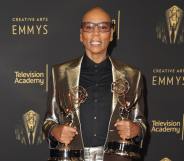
(96, 38)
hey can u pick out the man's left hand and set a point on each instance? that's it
(127, 129)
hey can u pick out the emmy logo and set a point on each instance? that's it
(171, 29)
(174, 16)
(165, 159)
(29, 131)
(31, 120)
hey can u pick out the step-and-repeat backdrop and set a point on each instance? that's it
(34, 35)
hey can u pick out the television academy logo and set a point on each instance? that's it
(175, 127)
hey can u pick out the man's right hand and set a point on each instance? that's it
(64, 133)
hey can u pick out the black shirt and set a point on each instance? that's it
(96, 110)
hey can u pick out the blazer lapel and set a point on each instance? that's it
(73, 75)
(116, 74)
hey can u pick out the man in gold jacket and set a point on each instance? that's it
(96, 125)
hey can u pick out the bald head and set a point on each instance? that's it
(96, 15)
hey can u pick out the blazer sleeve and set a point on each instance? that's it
(53, 111)
(138, 112)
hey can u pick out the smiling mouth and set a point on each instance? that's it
(95, 43)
